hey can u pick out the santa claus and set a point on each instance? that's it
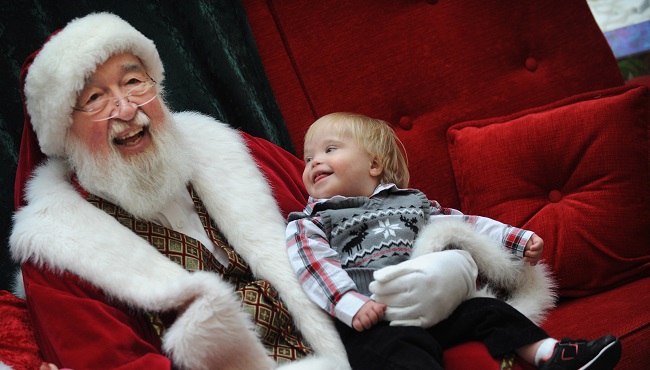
(131, 204)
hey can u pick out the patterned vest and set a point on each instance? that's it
(371, 233)
(274, 323)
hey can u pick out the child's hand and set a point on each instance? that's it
(369, 314)
(533, 250)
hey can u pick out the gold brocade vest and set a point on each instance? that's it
(273, 321)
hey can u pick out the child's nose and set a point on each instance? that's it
(316, 161)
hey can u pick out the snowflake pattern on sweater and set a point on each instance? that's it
(335, 245)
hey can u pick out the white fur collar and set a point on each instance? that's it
(129, 269)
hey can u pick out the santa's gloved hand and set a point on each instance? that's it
(425, 290)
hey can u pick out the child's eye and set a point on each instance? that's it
(330, 149)
(308, 159)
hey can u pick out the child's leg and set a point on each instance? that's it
(390, 348)
(503, 330)
(498, 325)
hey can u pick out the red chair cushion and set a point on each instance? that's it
(576, 173)
(622, 311)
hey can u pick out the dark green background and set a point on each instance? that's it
(211, 66)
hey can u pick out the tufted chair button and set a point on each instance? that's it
(432, 2)
(531, 64)
(406, 122)
(555, 196)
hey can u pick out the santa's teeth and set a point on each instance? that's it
(130, 134)
(131, 138)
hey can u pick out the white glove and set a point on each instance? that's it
(427, 289)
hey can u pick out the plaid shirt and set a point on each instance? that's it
(319, 267)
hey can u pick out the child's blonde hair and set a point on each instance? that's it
(376, 137)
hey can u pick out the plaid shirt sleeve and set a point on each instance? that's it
(319, 270)
(511, 238)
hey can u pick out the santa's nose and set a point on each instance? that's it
(124, 109)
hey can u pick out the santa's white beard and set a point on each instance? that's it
(141, 184)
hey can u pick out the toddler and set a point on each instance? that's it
(361, 217)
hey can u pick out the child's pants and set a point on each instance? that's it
(490, 321)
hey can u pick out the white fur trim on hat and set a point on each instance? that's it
(59, 71)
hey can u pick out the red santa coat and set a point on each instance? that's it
(85, 274)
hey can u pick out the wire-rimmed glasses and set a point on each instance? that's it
(141, 94)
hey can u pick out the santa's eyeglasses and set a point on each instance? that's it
(141, 93)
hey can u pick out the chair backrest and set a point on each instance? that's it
(424, 65)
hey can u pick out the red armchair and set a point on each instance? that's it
(512, 110)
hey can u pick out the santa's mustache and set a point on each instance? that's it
(139, 120)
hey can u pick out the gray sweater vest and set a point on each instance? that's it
(371, 233)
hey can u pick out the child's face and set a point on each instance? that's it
(336, 165)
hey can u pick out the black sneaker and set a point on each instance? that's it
(598, 354)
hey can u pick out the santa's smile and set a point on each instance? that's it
(130, 137)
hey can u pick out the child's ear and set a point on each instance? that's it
(376, 168)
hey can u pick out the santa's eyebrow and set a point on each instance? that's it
(126, 68)
(132, 67)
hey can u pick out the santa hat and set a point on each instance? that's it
(53, 77)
